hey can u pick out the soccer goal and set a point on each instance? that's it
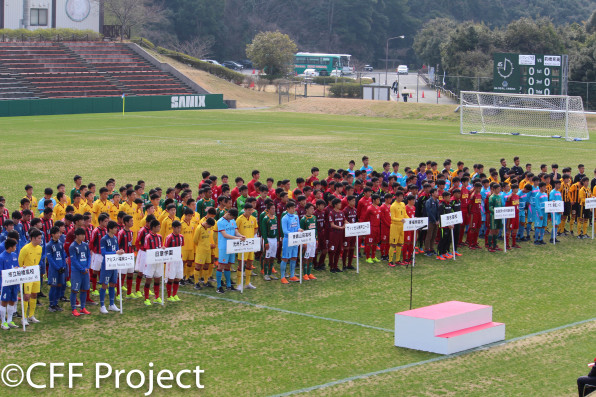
(550, 116)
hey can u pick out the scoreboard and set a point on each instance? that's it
(530, 74)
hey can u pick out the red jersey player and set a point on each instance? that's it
(349, 242)
(475, 213)
(512, 223)
(337, 225)
(372, 215)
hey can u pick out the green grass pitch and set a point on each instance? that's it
(256, 350)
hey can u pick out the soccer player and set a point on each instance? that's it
(583, 214)
(512, 224)
(29, 256)
(372, 215)
(495, 225)
(269, 233)
(408, 244)
(337, 224)
(56, 257)
(565, 186)
(398, 214)
(291, 224)
(540, 218)
(166, 221)
(386, 225)
(175, 268)
(95, 246)
(140, 263)
(79, 262)
(126, 244)
(457, 228)
(59, 210)
(555, 195)
(366, 167)
(445, 231)
(475, 211)
(101, 206)
(202, 242)
(8, 298)
(247, 226)
(154, 272)
(349, 242)
(188, 226)
(309, 222)
(227, 230)
(109, 278)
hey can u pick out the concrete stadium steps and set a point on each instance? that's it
(14, 88)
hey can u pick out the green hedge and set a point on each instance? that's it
(216, 70)
(331, 80)
(48, 34)
(346, 90)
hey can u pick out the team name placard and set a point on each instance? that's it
(554, 206)
(357, 229)
(120, 262)
(161, 255)
(455, 218)
(305, 237)
(20, 275)
(415, 224)
(239, 246)
(590, 203)
(504, 212)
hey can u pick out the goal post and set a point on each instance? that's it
(549, 116)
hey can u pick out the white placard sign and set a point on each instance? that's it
(453, 218)
(590, 203)
(504, 212)
(162, 255)
(120, 262)
(357, 229)
(239, 246)
(415, 223)
(20, 275)
(297, 238)
(554, 206)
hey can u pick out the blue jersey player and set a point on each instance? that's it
(80, 256)
(109, 246)
(8, 295)
(289, 224)
(57, 267)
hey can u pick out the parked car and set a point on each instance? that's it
(310, 73)
(402, 69)
(232, 65)
(213, 61)
(368, 68)
(336, 73)
(246, 63)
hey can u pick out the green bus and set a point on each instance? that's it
(324, 64)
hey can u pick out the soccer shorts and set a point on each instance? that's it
(130, 270)
(108, 276)
(203, 257)
(496, 224)
(408, 237)
(227, 259)
(336, 241)
(55, 278)
(79, 281)
(586, 214)
(311, 249)
(323, 241)
(575, 209)
(374, 237)
(272, 251)
(385, 234)
(540, 222)
(513, 223)
(248, 256)
(96, 260)
(466, 218)
(31, 288)
(289, 252)
(396, 235)
(566, 209)
(153, 271)
(10, 293)
(476, 220)
(349, 242)
(140, 263)
(174, 270)
(188, 255)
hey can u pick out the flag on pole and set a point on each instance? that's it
(123, 100)
(443, 78)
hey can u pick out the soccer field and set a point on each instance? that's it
(336, 331)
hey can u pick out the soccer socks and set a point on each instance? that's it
(94, 281)
(83, 298)
(169, 288)
(102, 296)
(585, 227)
(26, 308)
(138, 281)
(282, 268)
(129, 284)
(146, 289)
(197, 274)
(32, 306)
(292, 268)
(112, 295)
(228, 278)
(52, 296)
(73, 300)
(156, 289)
(247, 276)
(350, 256)
(218, 277)
(175, 288)
(210, 271)
(398, 252)
(2, 314)
(391, 253)
(10, 309)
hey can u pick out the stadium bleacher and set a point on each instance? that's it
(80, 69)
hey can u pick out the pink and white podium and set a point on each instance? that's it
(447, 328)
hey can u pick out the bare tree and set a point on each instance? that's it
(134, 14)
(199, 47)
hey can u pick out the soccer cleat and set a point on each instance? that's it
(305, 277)
(76, 313)
(447, 256)
(498, 249)
(68, 284)
(457, 253)
(198, 286)
(350, 267)
(515, 246)
(63, 299)
(391, 264)
(12, 325)
(220, 290)
(338, 270)
(274, 277)
(176, 298)
(85, 311)
(5, 326)
(151, 293)
(267, 278)
(537, 242)
(375, 259)
(103, 310)
(369, 260)
(113, 308)
(147, 302)
(294, 279)
(170, 299)
(95, 293)
(117, 297)
(157, 300)
(33, 320)
(124, 288)
(250, 286)
(273, 270)
(25, 322)
(232, 288)
(284, 281)
(52, 309)
(439, 257)
(311, 277)
(139, 294)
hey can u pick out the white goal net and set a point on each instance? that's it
(552, 116)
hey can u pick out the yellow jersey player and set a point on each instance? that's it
(203, 245)
(247, 226)
(396, 232)
(101, 206)
(30, 256)
(188, 249)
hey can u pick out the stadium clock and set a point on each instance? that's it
(78, 10)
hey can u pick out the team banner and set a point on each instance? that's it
(590, 203)
(412, 224)
(239, 246)
(162, 255)
(20, 275)
(454, 218)
(120, 262)
(504, 212)
(357, 229)
(298, 238)
(554, 206)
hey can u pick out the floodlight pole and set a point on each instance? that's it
(387, 53)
